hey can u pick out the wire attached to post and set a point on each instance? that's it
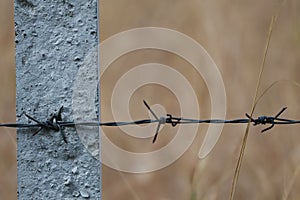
(55, 122)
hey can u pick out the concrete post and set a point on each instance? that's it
(52, 40)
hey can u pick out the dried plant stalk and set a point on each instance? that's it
(244, 141)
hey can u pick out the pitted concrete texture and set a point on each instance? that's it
(52, 40)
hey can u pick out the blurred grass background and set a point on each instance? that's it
(234, 33)
(8, 161)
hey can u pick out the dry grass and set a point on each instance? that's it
(255, 101)
(234, 34)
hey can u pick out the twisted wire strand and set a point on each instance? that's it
(55, 122)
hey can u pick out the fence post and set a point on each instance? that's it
(52, 40)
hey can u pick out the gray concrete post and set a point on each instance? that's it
(52, 40)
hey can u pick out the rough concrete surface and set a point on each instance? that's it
(52, 40)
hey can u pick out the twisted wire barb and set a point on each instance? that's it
(56, 123)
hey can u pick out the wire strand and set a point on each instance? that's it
(55, 122)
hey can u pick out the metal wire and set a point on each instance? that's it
(56, 123)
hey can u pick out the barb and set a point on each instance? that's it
(161, 121)
(55, 122)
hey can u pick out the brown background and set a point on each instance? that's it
(8, 169)
(234, 34)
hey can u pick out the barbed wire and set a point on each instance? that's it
(55, 122)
